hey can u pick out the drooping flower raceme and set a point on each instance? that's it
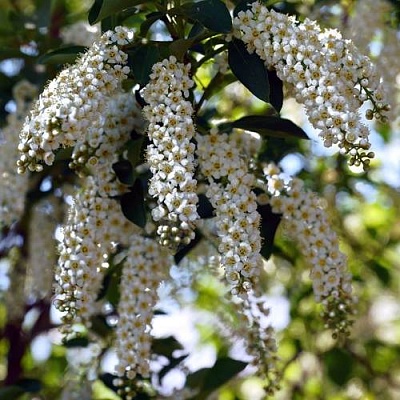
(171, 152)
(307, 223)
(95, 223)
(237, 219)
(72, 107)
(145, 265)
(326, 72)
(13, 186)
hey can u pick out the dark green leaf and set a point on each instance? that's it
(270, 126)
(135, 150)
(151, 18)
(210, 379)
(197, 29)
(30, 385)
(10, 53)
(204, 207)
(179, 47)
(249, 69)
(132, 205)
(242, 6)
(11, 392)
(275, 90)
(65, 55)
(339, 365)
(104, 8)
(124, 171)
(174, 362)
(213, 14)
(166, 346)
(269, 225)
(141, 60)
(77, 342)
(186, 249)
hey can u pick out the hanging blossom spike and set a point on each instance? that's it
(306, 222)
(95, 223)
(237, 219)
(73, 104)
(171, 152)
(325, 72)
(145, 266)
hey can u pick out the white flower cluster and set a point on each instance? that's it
(145, 266)
(13, 187)
(237, 220)
(326, 72)
(80, 33)
(42, 255)
(171, 152)
(71, 108)
(306, 222)
(95, 222)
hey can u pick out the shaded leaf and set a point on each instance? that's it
(249, 69)
(124, 171)
(151, 18)
(11, 392)
(186, 249)
(77, 342)
(213, 14)
(339, 364)
(132, 204)
(269, 225)
(165, 346)
(141, 60)
(104, 8)
(209, 379)
(270, 126)
(242, 6)
(65, 55)
(275, 90)
(29, 385)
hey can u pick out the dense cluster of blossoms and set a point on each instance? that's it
(73, 105)
(12, 185)
(237, 220)
(145, 265)
(95, 223)
(306, 221)
(171, 152)
(326, 73)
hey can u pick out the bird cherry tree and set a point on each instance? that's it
(118, 164)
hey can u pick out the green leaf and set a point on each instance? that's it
(124, 171)
(179, 47)
(149, 21)
(165, 346)
(249, 69)
(134, 153)
(77, 342)
(141, 60)
(210, 379)
(339, 364)
(275, 90)
(269, 225)
(132, 205)
(65, 55)
(213, 14)
(242, 6)
(30, 385)
(11, 392)
(104, 8)
(270, 126)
